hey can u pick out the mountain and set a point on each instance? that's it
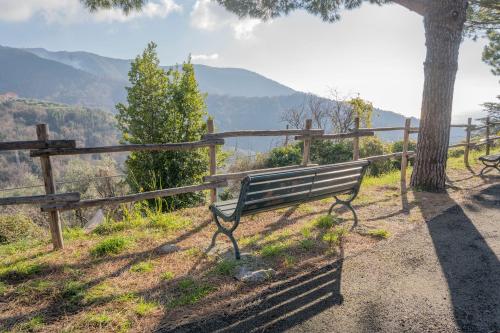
(212, 80)
(237, 98)
(30, 76)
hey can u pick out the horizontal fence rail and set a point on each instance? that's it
(21, 145)
(53, 203)
(132, 197)
(289, 132)
(41, 199)
(127, 148)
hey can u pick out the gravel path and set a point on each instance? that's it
(443, 276)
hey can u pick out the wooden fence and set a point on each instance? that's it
(53, 203)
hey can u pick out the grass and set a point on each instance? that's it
(3, 288)
(307, 244)
(98, 319)
(142, 267)
(167, 276)
(168, 221)
(191, 292)
(111, 227)
(143, 308)
(33, 325)
(73, 291)
(225, 267)
(36, 287)
(20, 270)
(194, 252)
(99, 293)
(112, 245)
(379, 233)
(326, 221)
(250, 241)
(334, 238)
(75, 233)
(275, 249)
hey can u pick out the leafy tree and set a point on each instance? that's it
(491, 52)
(363, 110)
(163, 107)
(328, 152)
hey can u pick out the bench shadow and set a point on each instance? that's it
(282, 306)
(470, 266)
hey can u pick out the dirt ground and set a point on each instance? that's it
(442, 276)
(435, 271)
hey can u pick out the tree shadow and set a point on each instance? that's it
(471, 268)
(277, 309)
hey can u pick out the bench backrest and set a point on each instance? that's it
(269, 191)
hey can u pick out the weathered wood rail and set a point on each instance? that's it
(53, 203)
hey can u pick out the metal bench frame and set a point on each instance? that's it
(490, 163)
(245, 184)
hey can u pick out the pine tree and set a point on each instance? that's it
(163, 107)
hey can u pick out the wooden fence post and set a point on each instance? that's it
(213, 160)
(467, 142)
(286, 137)
(487, 135)
(306, 155)
(42, 133)
(404, 155)
(355, 152)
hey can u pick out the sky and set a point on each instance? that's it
(377, 52)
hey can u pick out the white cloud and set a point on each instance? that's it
(72, 11)
(210, 16)
(213, 56)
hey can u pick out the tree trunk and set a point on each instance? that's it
(443, 21)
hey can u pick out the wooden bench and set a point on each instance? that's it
(270, 191)
(490, 162)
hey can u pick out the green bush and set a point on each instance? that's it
(328, 152)
(371, 147)
(17, 227)
(397, 147)
(284, 156)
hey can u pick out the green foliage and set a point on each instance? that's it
(109, 227)
(167, 221)
(74, 233)
(112, 245)
(362, 109)
(225, 267)
(274, 249)
(142, 267)
(335, 236)
(17, 227)
(325, 221)
(329, 152)
(167, 276)
(307, 244)
(190, 292)
(379, 233)
(397, 147)
(371, 147)
(284, 156)
(143, 308)
(163, 107)
(20, 270)
(35, 324)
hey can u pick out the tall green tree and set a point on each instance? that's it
(163, 107)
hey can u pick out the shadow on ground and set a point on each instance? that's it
(279, 308)
(470, 267)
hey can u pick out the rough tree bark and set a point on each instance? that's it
(443, 21)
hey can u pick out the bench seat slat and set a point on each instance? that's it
(307, 171)
(490, 158)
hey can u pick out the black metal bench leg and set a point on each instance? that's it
(346, 203)
(228, 233)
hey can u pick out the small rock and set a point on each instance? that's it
(169, 248)
(96, 220)
(246, 275)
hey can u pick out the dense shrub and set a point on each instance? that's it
(17, 227)
(283, 156)
(371, 147)
(328, 152)
(397, 147)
